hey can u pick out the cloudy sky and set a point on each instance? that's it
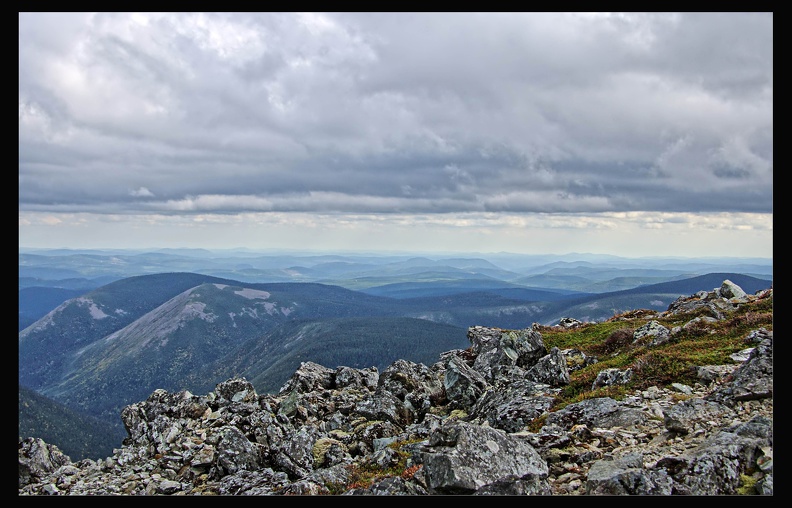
(630, 134)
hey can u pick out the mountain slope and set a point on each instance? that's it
(358, 342)
(36, 302)
(166, 346)
(45, 345)
(106, 348)
(77, 435)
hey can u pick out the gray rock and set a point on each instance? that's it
(730, 290)
(37, 459)
(451, 460)
(576, 359)
(497, 349)
(684, 416)
(715, 467)
(599, 412)
(608, 377)
(752, 380)
(550, 369)
(568, 322)
(514, 406)
(346, 377)
(654, 332)
(309, 377)
(235, 452)
(626, 476)
(391, 486)
(463, 385)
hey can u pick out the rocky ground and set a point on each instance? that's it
(569, 468)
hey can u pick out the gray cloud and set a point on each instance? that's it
(396, 112)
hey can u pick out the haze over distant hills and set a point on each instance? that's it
(82, 268)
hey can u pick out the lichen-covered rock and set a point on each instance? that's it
(608, 377)
(753, 379)
(685, 416)
(577, 359)
(550, 369)
(568, 322)
(236, 390)
(715, 467)
(653, 333)
(356, 378)
(513, 406)
(309, 377)
(496, 349)
(415, 384)
(599, 412)
(37, 459)
(463, 385)
(235, 452)
(731, 290)
(453, 457)
(391, 486)
(626, 476)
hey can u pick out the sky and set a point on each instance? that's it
(634, 134)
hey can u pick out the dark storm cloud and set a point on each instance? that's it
(396, 112)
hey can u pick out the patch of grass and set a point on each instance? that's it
(537, 423)
(362, 476)
(705, 343)
(747, 485)
(587, 338)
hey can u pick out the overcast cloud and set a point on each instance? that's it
(411, 131)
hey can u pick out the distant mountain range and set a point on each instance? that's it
(95, 350)
(359, 270)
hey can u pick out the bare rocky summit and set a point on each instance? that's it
(459, 426)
